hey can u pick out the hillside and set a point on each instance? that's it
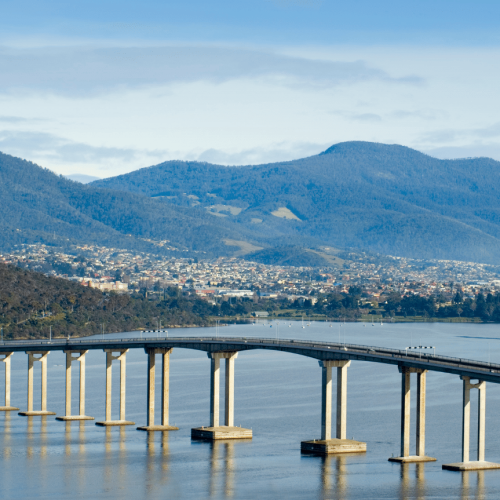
(382, 198)
(31, 303)
(40, 206)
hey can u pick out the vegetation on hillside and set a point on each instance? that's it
(383, 198)
(31, 303)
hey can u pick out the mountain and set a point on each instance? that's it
(40, 206)
(383, 198)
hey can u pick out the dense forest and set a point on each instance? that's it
(31, 304)
(382, 198)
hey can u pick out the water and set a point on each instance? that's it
(278, 396)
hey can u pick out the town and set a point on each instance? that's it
(217, 280)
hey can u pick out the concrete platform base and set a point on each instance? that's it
(112, 423)
(150, 428)
(412, 459)
(74, 417)
(35, 413)
(221, 432)
(8, 408)
(465, 466)
(332, 446)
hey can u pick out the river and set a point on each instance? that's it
(278, 396)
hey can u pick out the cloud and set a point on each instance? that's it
(13, 119)
(84, 71)
(55, 148)
(284, 151)
(367, 117)
(473, 150)
(451, 135)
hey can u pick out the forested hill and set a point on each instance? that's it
(40, 206)
(384, 198)
(31, 303)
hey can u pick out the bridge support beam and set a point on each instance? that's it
(216, 431)
(80, 356)
(43, 362)
(405, 417)
(466, 463)
(165, 353)
(109, 360)
(326, 445)
(6, 361)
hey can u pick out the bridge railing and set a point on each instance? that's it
(358, 348)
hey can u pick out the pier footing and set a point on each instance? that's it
(474, 465)
(35, 413)
(150, 428)
(74, 417)
(111, 423)
(221, 432)
(332, 446)
(412, 459)
(8, 408)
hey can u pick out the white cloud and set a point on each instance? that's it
(90, 71)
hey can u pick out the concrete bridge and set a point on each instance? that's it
(329, 355)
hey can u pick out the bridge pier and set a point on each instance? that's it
(466, 464)
(228, 430)
(6, 360)
(151, 352)
(80, 356)
(326, 445)
(405, 417)
(43, 361)
(109, 360)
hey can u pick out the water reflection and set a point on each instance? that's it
(222, 468)
(467, 490)
(334, 476)
(409, 488)
(7, 449)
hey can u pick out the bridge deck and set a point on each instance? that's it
(313, 349)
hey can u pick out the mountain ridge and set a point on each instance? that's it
(371, 196)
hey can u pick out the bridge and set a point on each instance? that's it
(330, 355)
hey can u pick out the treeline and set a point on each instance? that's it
(31, 304)
(353, 304)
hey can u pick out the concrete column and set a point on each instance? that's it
(43, 361)
(82, 383)
(229, 400)
(6, 361)
(216, 431)
(151, 387)
(70, 357)
(165, 387)
(342, 401)
(30, 381)
(214, 390)
(68, 382)
(481, 421)
(109, 364)
(405, 412)
(326, 401)
(122, 384)
(466, 419)
(421, 393)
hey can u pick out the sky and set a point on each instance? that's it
(105, 87)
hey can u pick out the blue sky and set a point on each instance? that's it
(107, 87)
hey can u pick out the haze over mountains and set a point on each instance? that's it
(382, 198)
